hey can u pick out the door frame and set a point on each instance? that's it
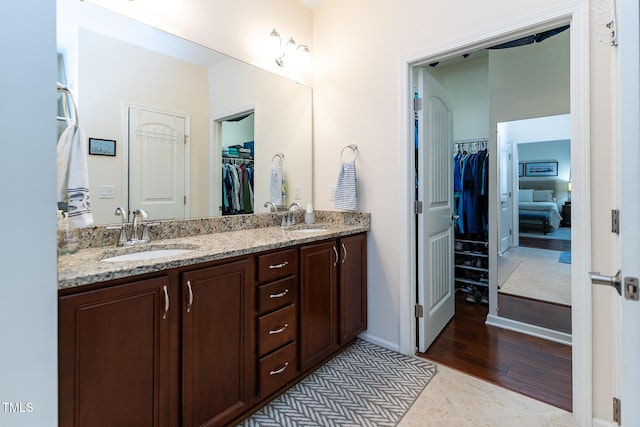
(577, 14)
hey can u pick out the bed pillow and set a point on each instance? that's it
(543, 196)
(525, 195)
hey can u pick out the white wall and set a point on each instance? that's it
(28, 306)
(139, 73)
(282, 124)
(358, 45)
(238, 28)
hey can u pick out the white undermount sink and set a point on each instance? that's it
(308, 230)
(147, 255)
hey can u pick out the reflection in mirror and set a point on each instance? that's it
(166, 102)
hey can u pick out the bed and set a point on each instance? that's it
(538, 210)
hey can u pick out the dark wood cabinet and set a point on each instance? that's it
(277, 332)
(318, 302)
(353, 287)
(204, 345)
(566, 215)
(113, 356)
(218, 362)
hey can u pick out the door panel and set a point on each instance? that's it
(157, 163)
(435, 226)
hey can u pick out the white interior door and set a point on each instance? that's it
(436, 292)
(157, 163)
(506, 191)
(628, 361)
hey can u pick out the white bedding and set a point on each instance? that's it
(550, 207)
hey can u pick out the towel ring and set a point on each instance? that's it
(353, 148)
(278, 156)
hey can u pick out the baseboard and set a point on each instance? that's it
(597, 422)
(525, 328)
(378, 341)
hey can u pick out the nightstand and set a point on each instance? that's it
(566, 215)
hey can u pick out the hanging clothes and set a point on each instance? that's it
(470, 184)
(237, 186)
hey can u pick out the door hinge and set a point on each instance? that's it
(419, 310)
(185, 200)
(417, 207)
(615, 221)
(186, 139)
(417, 104)
(616, 410)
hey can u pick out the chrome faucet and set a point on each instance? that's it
(290, 210)
(137, 214)
(273, 208)
(134, 239)
(122, 212)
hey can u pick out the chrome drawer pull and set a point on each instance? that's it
(281, 265)
(281, 370)
(337, 257)
(166, 302)
(190, 303)
(279, 331)
(280, 295)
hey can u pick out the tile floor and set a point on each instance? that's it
(454, 399)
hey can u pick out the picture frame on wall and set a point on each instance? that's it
(102, 147)
(541, 169)
(520, 170)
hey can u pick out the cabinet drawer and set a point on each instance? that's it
(277, 294)
(276, 265)
(276, 329)
(277, 369)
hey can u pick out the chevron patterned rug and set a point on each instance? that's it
(365, 385)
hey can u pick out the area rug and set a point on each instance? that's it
(365, 385)
(565, 257)
(540, 276)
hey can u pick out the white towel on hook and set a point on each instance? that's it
(73, 176)
(346, 192)
(275, 185)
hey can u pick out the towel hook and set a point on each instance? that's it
(353, 148)
(278, 156)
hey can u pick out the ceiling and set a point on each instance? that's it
(312, 4)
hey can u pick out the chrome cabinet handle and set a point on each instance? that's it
(190, 302)
(344, 249)
(281, 370)
(279, 331)
(280, 295)
(166, 302)
(274, 266)
(336, 252)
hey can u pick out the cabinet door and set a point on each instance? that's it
(318, 303)
(353, 287)
(113, 356)
(218, 372)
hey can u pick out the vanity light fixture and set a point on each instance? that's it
(289, 49)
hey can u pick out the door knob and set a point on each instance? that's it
(614, 281)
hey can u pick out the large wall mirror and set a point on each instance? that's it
(166, 101)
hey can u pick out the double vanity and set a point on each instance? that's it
(204, 329)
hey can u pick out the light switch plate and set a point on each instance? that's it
(107, 191)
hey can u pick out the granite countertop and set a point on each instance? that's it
(85, 266)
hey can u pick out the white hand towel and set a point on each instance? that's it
(346, 195)
(73, 176)
(275, 187)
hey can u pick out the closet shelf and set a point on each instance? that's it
(472, 282)
(468, 267)
(470, 253)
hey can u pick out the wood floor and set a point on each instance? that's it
(537, 368)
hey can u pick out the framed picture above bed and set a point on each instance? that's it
(541, 169)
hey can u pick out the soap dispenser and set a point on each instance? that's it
(309, 216)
